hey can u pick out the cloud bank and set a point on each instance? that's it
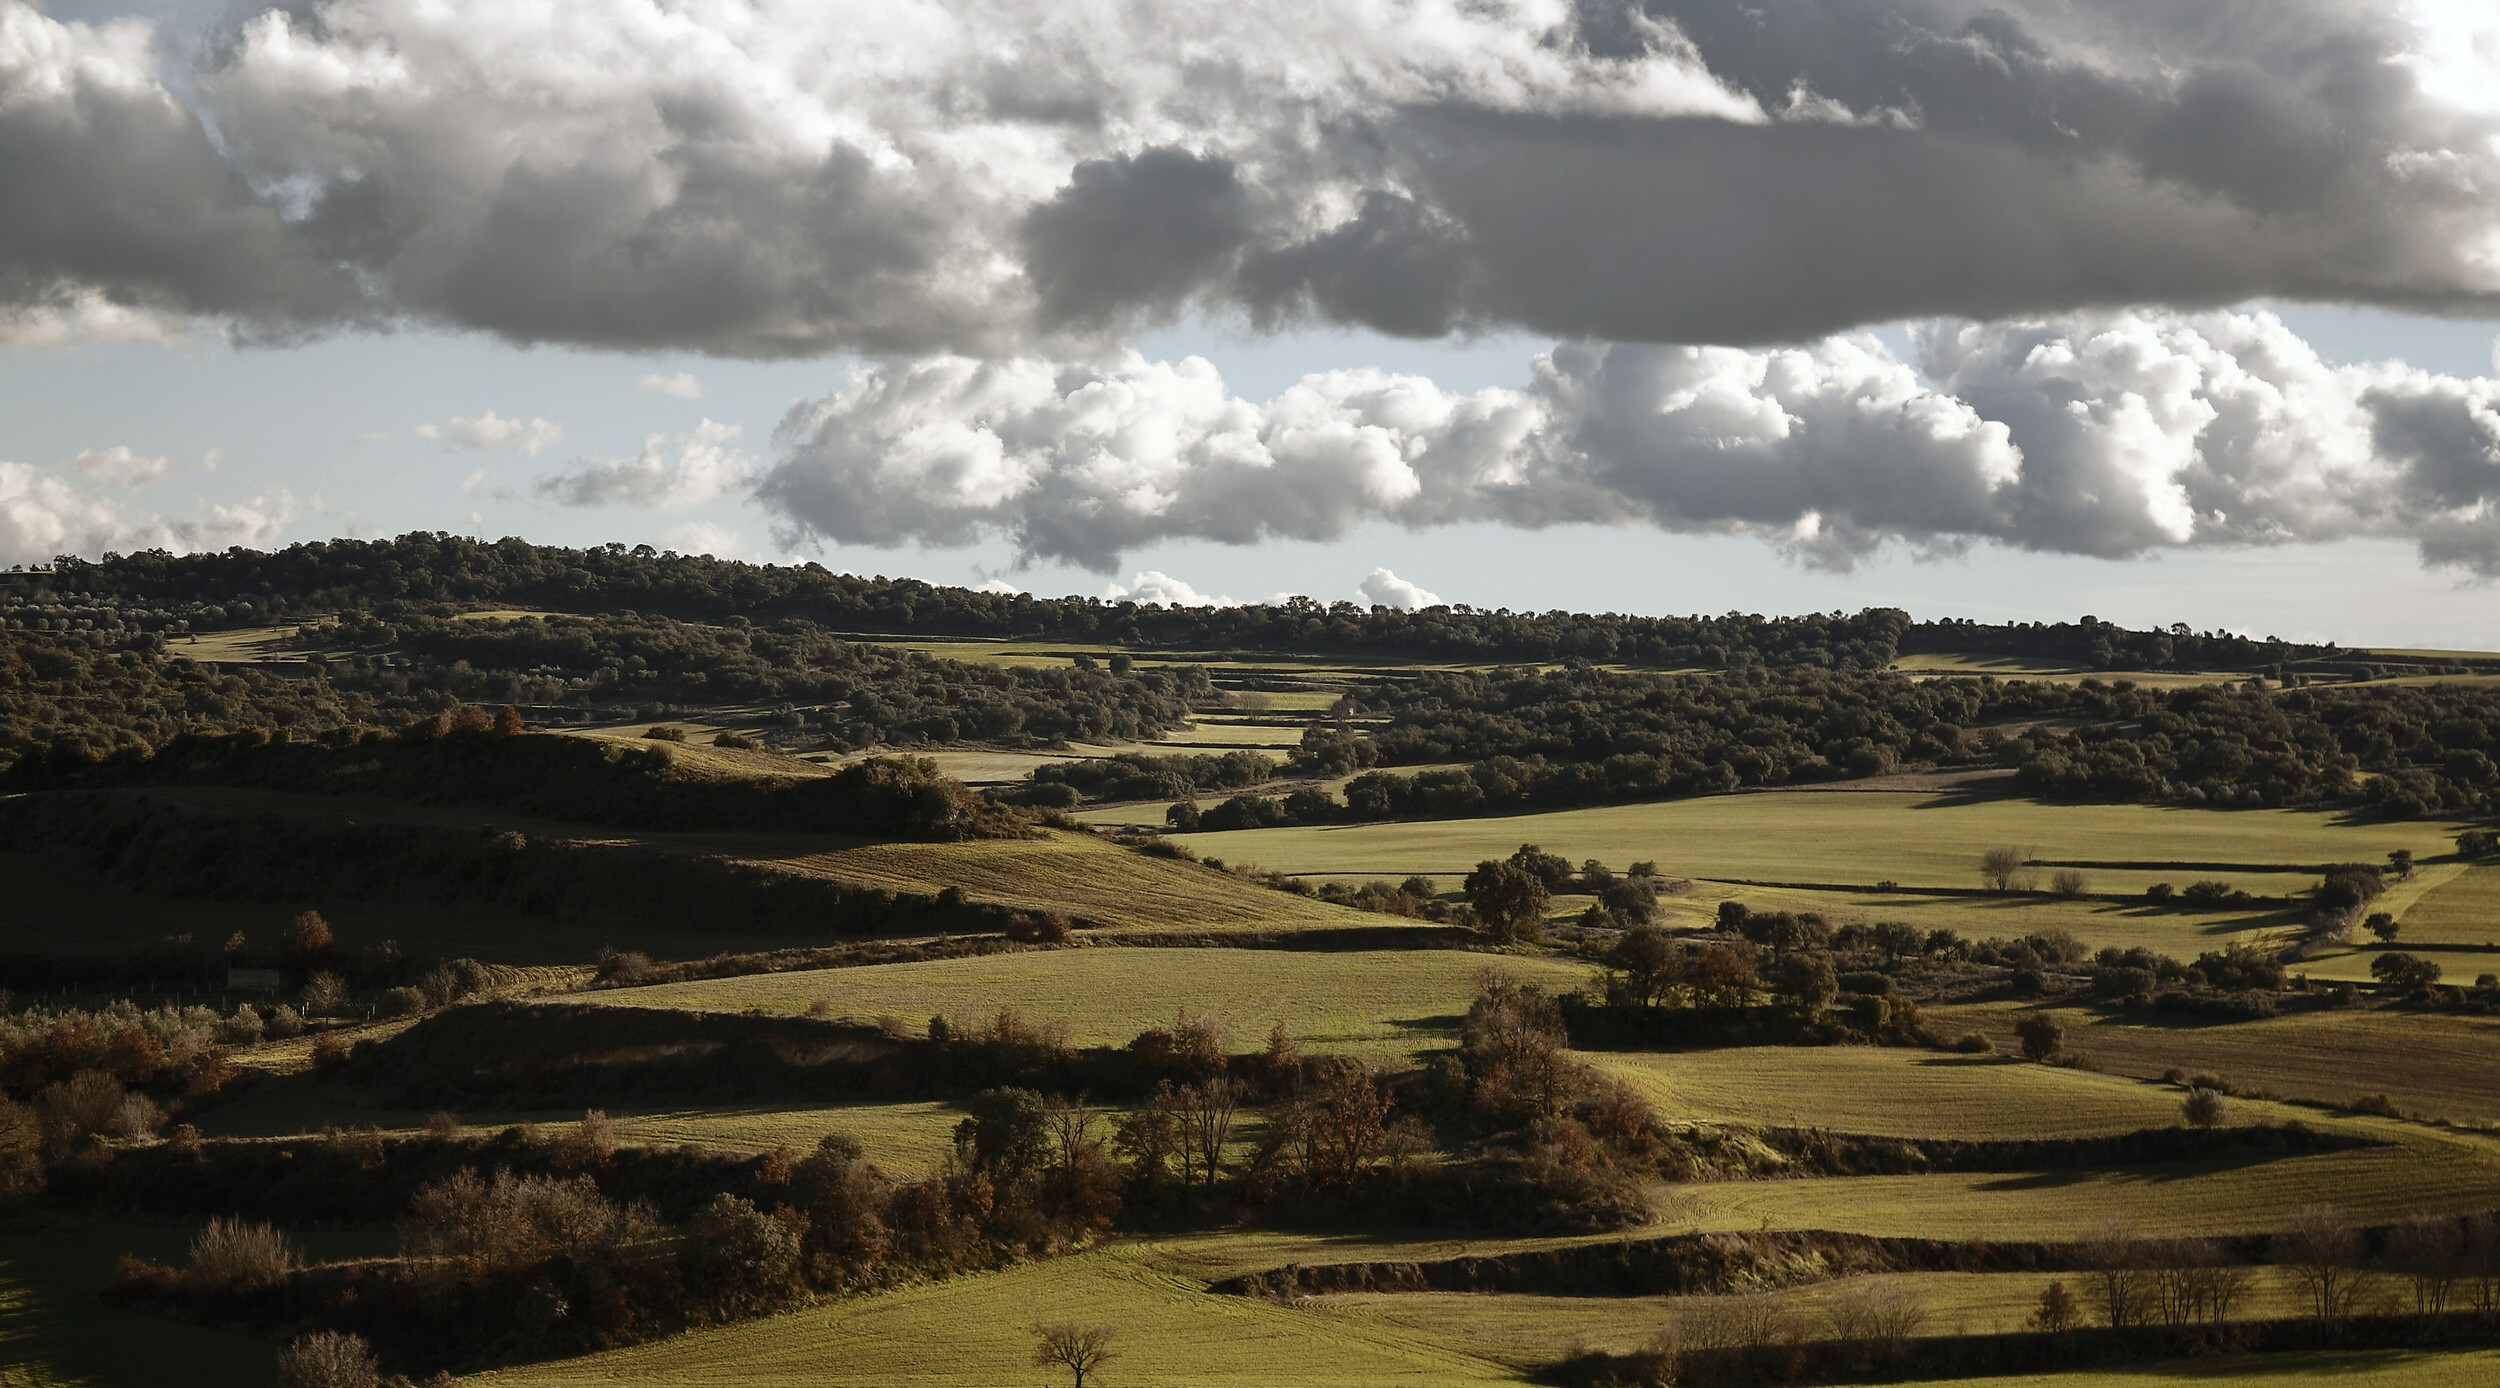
(43, 515)
(998, 178)
(2108, 434)
(670, 474)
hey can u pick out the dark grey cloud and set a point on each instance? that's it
(1139, 232)
(991, 177)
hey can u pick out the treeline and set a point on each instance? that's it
(2425, 750)
(72, 692)
(1580, 735)
(242, 586)
(479, 762)
(843, 693)
(2101, 645)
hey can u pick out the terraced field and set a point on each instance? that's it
(2441, 1066)
(1385, 1004)
(1918, 839)
(1072, 872)
(2420, 1171)
(974, 1331)
(1895, 1092)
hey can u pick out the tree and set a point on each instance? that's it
(2382, 927)
(1080, 1349)
(2400, 974)
(1643, 967)
(2323, 1251)
(2058, 1312)
(2001, 867)
(308, 937)
(1509, 899)
(2204, 1108)
(1810, 979)
(329, 1359)
(324, 994)
(2042, 1035)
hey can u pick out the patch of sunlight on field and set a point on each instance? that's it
(2420, 1171)
(2426, 1063)
(1382, 1003)
(1077, 873)
(2459, 905)
(975, 1331)
(1891, 1092)
(1916, 838)
(905, 1138)
(54, 1333)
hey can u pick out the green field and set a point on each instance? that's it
(2440, 1066)
(1386, 1004)
(975, 1331)
(1918, 839)
(1894, 1092)
(1060, 870)
(2421, 1171)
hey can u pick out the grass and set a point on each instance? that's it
(55, 1334)
(2430, 1064)
(2458, 905)
(1073, 872)
(906, 1138)
(2420, 1171)
(1916, 838)
(975, 1331)
(1381, 1003)
(1892, 1092)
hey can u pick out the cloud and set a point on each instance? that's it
(43, 516)
(997, 585)
(994, 178)
(670, 473)
(680, 385)
(491, 430)
(1381, 588)
(119, 467)
(705, 537)
(2109, 434)
(1155, 586)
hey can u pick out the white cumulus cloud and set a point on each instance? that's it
(43, 516)
(1381, 588)
(119, 466)
(2113, 434)
(492, 431)
(678, 385)
(670, 473)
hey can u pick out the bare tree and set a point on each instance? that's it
(329, 1359)
(2323, 1251)
(1207, 1116)
(2112, 1254)
(1080, 1349)
(2431, 1254)
(2002, 868)
(1071, 1125)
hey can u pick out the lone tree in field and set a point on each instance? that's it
(1509, 899)
(1080, 1349)
(2382, 927)
(2204, 1108)
(2042, 1036)
(2001, 867)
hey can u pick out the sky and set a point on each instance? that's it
(2021, 310)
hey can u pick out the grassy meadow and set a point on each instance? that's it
(1382, 1004)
